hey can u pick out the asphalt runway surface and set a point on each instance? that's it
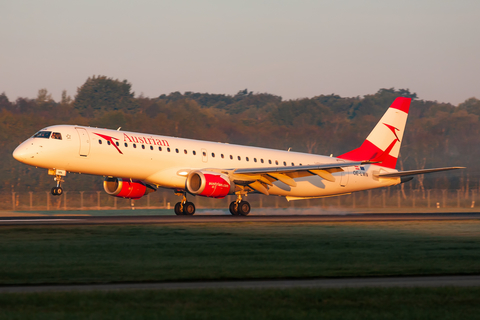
(380, 282)
(173, 219)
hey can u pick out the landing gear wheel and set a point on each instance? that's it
(233, 208)
(188, 208)
(57, 191)
(243, 208)
(178, 209)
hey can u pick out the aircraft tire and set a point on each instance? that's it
(233, 208)
(188, 208)
(243, 208)
(57, 191)
(178, 209)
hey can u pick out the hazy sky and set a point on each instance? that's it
(292, 48)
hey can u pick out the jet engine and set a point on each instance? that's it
(209, 184)
(126, 188)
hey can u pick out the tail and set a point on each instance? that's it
(383, 143)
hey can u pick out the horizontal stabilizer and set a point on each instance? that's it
(415, 172)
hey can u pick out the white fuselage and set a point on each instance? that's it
(164, 161)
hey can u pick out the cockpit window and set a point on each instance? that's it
(57, 135)
(43, 134)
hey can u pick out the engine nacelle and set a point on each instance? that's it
(126, 188)
(209, 184)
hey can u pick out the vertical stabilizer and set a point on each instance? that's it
(383, 143)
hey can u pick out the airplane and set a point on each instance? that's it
(134, 164)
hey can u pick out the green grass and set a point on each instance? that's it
(368, 303)
(96, 254)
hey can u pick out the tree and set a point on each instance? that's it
(4, 102)
(101, 94)
(472, 105)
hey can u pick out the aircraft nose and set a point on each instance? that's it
(21, 153)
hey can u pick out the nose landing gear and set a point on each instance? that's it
(59, 174)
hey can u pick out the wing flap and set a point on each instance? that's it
(284, 178)
(323, 174)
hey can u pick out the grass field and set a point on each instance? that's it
(98, 254)
(414, 303)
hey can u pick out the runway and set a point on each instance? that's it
(151, 219)
(380, 282)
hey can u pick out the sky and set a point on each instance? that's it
(293, 49)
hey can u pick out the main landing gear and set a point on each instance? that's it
(239, 207)
(184, 207)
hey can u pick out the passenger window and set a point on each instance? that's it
(254, 159)
(270, 161)
(213, 155)
(126, 144)
(185, 151)
(247, 159)
(168, 149)
(159, 148)
(222, 156)
(151, 147)
(118, 144)
(276, 162)
(99, 141)
(261, 160)
(43, 134)
(108, 142)
(239, 158)
(284, 163)
(57, 135)
(231, 157)
(204, 154)
(134, 145)
(194, 152)
(143, 146)
(293, 164)
(176, 150)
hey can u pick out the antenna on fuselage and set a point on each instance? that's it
(119, 128)
(289, 149)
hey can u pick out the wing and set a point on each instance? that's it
(260, 178)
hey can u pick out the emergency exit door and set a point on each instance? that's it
(84, 142)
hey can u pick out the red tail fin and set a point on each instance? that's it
(381, 144)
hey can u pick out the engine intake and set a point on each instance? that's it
(126, 188)
(209, 184)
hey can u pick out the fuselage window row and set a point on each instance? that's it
(195, 153)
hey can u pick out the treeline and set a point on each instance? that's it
(438, 134)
